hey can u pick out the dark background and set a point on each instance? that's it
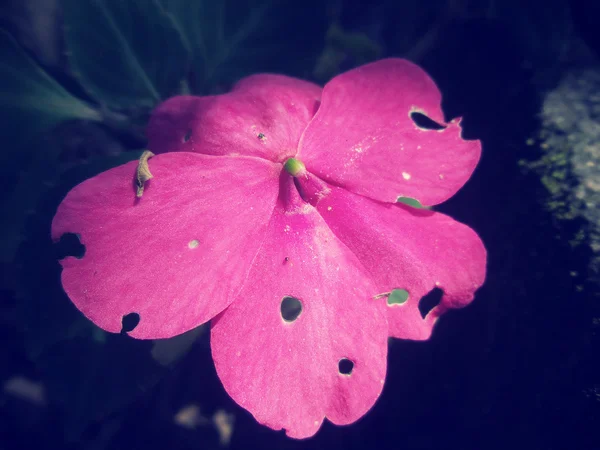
(516, 369)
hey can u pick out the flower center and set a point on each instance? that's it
(294, 167)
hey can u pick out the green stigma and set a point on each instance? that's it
(294, 167)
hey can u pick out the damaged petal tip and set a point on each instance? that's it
(142, 173)
(294, 167)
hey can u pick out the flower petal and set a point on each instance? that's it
(364, 139)
(405, 248)
(264, 116)
(176, 256)
(287, 373)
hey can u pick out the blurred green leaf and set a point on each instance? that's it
(30, 101)
(230, 39)
(411, 28)
(397, 297)
(341, 46)
(410, 202)
(127, 54)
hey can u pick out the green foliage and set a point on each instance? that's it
(231, 39)
(31, 100)
(397, 297)
(125, 53)
(410, 202)
(341, 44)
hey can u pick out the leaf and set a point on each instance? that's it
(410, 202)
(127, 54)
(30, 101)
(231, 39)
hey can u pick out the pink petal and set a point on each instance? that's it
(363, 137)
(405, 248)
(263, 116)
(178, 255)
(286, 373)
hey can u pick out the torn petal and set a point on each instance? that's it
(176, 256)
(364, 136)
(408, 249)
(264, 116)
(328, 359)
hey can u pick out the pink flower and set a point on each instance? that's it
(276, 193)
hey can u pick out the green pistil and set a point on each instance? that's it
(294, 167)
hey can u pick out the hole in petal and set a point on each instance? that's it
(410, 202)
(397, 297)
(187, 135)
(345, 366)
(424, 122)
(430, 301)
(290, 308)
(69, 245)
(194, 243)
(129, 322)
